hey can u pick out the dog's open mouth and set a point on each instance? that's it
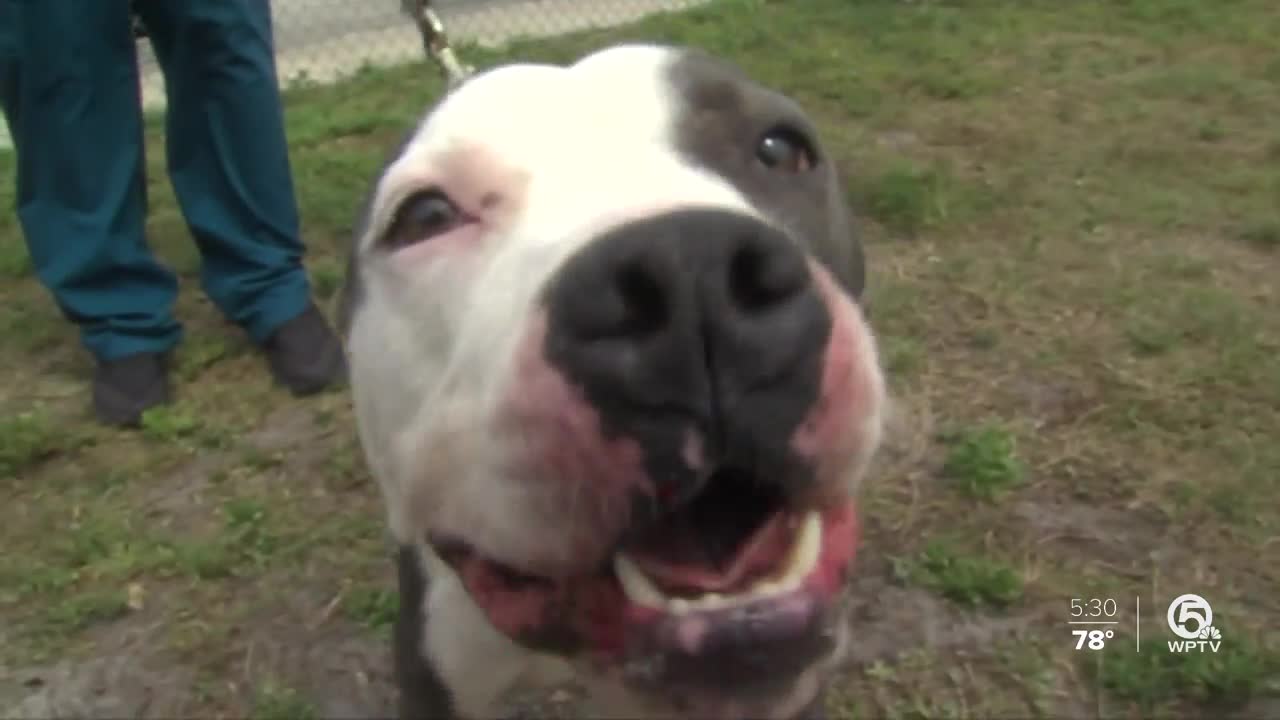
(736, 584)
(734, 543)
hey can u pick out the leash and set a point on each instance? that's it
(436, 42)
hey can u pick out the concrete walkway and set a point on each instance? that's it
(325, 40)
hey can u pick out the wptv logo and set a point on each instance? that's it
(1191, 618)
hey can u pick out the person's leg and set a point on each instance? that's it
(9, 96)
(72, 101)
(230, 168)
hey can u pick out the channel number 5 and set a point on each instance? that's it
(1192, 608)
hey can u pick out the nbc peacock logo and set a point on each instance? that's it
(1191, 618)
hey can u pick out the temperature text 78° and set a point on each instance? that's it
(1096, 639)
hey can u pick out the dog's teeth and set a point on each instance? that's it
(711, 601)
(801, 559)
(765, 588)
(804, 553)
(636, 585)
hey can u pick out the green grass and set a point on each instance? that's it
(373, 607)
(1264, 234)
(970, 580)
(169, 423)
(983, 462)
(1240, 669)
(25, 439)
(906, 199)
(1070, 213)
(274, 702)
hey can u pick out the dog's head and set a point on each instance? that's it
(609, 363)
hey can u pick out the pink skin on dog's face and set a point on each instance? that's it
(564, 441)
(567, 449)
(636, 343)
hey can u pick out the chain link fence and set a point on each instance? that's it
(325, 40)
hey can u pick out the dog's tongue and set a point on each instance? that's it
(678, 560)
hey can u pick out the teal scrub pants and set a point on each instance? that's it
(69, 86)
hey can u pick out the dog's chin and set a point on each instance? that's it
(700, 609)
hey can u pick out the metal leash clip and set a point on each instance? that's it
(435, 41)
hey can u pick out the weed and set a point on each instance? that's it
(247, 529)
(969, 580)
(27, 439)
(15, 262)
(983, 461)
(195, 356)
(1232, 676)
(79, 610)
(906, 199)
(273, 701)
(1211, 131)
(373, 607)
(168, 423)
(1264, 235)
(326, 277)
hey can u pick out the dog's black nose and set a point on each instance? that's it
(699, 313)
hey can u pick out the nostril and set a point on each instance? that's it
(644, 307)
(613, 295)
(762, 277)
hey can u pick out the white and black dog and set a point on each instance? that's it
(612, 376)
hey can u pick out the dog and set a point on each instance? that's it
(611, 372)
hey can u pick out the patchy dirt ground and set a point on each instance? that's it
(1073, 218)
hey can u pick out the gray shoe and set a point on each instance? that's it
(305, 355)
(126, 387)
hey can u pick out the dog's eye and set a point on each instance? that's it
(786, 149)
(424, 215)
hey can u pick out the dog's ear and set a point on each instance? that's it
(351, 293)
(423, 693)
(840, 247)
